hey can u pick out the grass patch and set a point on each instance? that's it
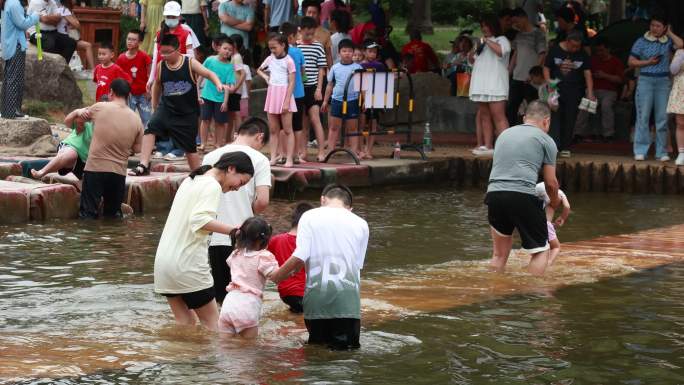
(88, 90)
(439, 40)
(51, 111)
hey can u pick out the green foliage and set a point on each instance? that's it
(127, 23)
(41, 109)
(451, 12)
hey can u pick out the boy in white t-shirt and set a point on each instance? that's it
(554, 243)
(238, 206)
(331, 245)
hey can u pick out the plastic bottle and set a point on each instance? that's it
(396, 154)
(427, 138)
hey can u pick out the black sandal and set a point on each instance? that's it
(140, 170)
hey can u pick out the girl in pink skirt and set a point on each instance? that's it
(250, 266)
(279, 72)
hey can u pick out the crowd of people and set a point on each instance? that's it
(576, 73)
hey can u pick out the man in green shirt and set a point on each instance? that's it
(72, 152)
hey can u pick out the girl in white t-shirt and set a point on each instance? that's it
(554, 243)
(181, 267)
(279, 71)
(251, 264)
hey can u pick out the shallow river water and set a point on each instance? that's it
(76, 306)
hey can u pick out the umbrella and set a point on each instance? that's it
(621, 35)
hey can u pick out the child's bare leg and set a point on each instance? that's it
(250, 333)
(286, 121)
(181, 313)
(315, 117)
(65, 158)
(352, 126)
(274, 126)
(300, 144)
(555, 250)
(282, 145)
(208, 315)
(204, 133)
(371, 139)
(221, 129)
(334, 125)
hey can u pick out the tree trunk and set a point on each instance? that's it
(421, 17)
(616, 11)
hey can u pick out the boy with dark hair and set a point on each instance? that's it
(117, 133)
(106, 71)
(315, 65)
(424, 57)
(332, 301)
(372, 115)
(290, 31)
(137, 65)
(337, 80)
(174, 104)
(282, 245)
(249, 200)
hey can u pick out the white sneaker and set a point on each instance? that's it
(478, 150)
(680, 159)
(639, 158)
(564, 154)
(483, 151)
(171, 156)
(157, 155)
(664, 158)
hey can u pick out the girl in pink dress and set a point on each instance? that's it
(279, 72)
(250, 266)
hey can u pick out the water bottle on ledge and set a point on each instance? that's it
(427, 138)
(396, 154)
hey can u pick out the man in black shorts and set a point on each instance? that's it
(175, 104)
(331, 245)
(521, 152)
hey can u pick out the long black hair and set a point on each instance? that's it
(238, 159)
(253, 234)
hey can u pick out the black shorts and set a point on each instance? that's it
(509, 210)
(196, 299)
(181, 129)
(212, 111)
(78, 166)
(220, 270)
(294, 302)
(298, 117)
(310, 98)
(234, 102)
(373, 113)
(108, 187)
(336, 333)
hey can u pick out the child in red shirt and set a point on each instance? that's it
(282, 246)
(137, 65)
(106, 71)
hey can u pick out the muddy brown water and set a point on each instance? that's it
(76, 303)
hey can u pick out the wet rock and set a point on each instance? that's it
(50, 80)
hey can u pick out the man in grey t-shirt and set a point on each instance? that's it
(521, 153)
(529, 50)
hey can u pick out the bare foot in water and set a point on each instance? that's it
(36, 174)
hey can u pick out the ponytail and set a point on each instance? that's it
(240, 161)
(200, 171)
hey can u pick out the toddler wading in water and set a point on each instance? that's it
(181, 265)
(250, 266)
(554, 243)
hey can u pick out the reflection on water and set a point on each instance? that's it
(76, 306)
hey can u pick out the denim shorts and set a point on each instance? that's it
(352, 109)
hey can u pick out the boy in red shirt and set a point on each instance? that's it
(282, 246)
(424, 57)
(137, 65)
(106, 71)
